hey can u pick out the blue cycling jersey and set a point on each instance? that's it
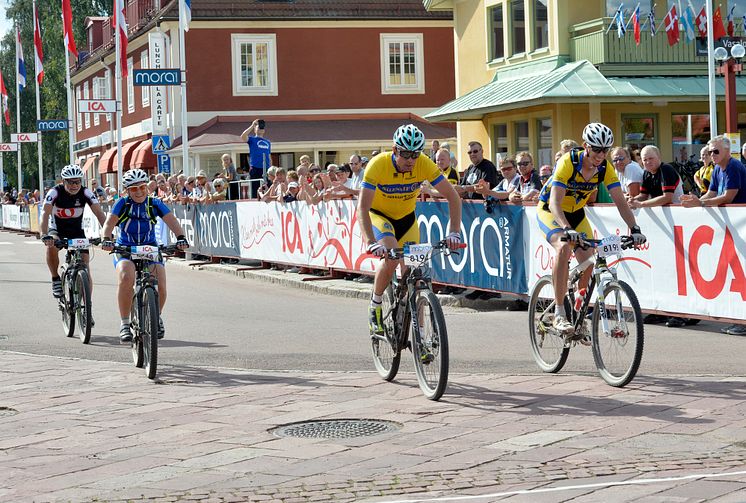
(137, 227)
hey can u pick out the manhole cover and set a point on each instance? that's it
(336, 428)
(7, 411)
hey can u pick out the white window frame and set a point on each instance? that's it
(79, 116)
(130, 86)
(398, 38)
(96, 96)
(109, 93)
(145, 98)
(237, 39)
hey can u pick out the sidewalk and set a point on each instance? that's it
(79, 430)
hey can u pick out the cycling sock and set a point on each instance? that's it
(376, 299)
(560, 311)
(126, 321)
(55, 278)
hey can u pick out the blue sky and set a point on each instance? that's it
(4, 24)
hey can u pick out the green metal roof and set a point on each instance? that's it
(576, 82)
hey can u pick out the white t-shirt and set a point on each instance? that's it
(632, 174)
(506, 185)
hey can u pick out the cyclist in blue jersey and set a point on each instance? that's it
(135, 215)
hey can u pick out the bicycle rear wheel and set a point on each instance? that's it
(66, 305)
(385, 358)
(149, 330)
(618, 337)
(547, 346)
(82, 305)
(137, 352)
(430, 345)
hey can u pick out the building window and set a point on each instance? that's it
(541, 25)
(497, 33)
(639, 130)
(145, 89)
(79, 125)
(402, 63)
(86, 96)
(544, 153)
(97, 96)
(130, 87)
(254, 65)
(500, 142)
(521, 136)
(518, 26)
(689, 133)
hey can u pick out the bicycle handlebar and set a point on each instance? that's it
(627, 242)
(397, 253)
(126, 251)
(63, 243)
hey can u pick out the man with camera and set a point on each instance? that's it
(260, 150)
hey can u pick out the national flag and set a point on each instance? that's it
(718, 30)
(4, 94)
(67, 28)
(671, 23)
(702, 22)
(687, 20)
(119, 13)
(743, 26)
(636, 24)
(621, 27)
(186, 6)
(730, 21)
(651, 21)
(21, 77)
(38, 52)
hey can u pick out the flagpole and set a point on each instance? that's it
(2, 118)
(182, 67)
(711, 72)
(18, 113)
(626, 25)
(38, 104)
(118, 76)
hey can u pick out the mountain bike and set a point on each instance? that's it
(616, 325)
(411, 308)
(75, 302)
(145, 312)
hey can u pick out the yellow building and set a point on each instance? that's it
(530, 73)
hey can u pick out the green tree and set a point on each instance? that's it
(53, 95)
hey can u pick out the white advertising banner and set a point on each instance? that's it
(11, 216)
(158, 105)
(694, 260)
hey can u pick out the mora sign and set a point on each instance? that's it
(157, 77)
(97, 106)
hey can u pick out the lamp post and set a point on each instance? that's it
(729, 65)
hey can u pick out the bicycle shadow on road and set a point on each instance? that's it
(113, 341)
(223, 377)
(570, 401)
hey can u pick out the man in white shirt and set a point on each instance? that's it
(628, 171)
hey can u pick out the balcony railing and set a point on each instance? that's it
(590, 41)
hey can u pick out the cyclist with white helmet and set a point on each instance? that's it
(62, 218)
(136, 215)
(561, 211)
(386, 207)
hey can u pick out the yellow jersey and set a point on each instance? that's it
(396, 193)
(567, 174)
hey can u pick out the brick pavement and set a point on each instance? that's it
(79, 430)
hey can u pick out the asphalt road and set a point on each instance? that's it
(220, 320)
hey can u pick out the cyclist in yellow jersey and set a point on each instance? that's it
(386, 207)
(560, 210)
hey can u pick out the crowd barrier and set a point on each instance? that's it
(692, 264)
(18, 217)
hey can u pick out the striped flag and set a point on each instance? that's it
(687, 21)
(4, 94)
(621, 28)
(38, 52)
(186, 5)
(651, 20)
(67, 28)
(122, 27)
(21, 77)
(636, 24)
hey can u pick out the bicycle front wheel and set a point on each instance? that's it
(66, 306)
(137, 353)
(618, 334)
(547, 346)
(149, 330)
(385, 358)
(82, 303)
(430, 345)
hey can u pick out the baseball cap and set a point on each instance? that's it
(201, 174)
(293, 184)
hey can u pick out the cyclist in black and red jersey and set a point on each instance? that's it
(65, 204)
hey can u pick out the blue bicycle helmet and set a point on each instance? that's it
(409, 137)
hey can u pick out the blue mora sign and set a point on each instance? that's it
(52, 125)
(157, 77)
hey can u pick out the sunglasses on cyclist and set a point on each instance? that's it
(408, 154)
(599, 150)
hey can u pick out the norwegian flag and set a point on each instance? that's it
(38, 52)
(701, 22)
(671, 23)
(4, 94)
(730, 21)
(636, 24)
(119, 13)
(67, 28)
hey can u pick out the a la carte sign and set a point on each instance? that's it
(158, 95)
(97, 106)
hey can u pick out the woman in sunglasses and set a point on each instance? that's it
(561, 212)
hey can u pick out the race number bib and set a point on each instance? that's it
(78, 244)
(146, 252)
(416, 254)
(610, 245)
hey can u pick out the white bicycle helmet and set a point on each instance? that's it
(134, 177)
(409, 137)
(72, 171)
(596, 134)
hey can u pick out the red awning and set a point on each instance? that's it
(127, 150)
(106, 163)
(143, 157)
(88, 166)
